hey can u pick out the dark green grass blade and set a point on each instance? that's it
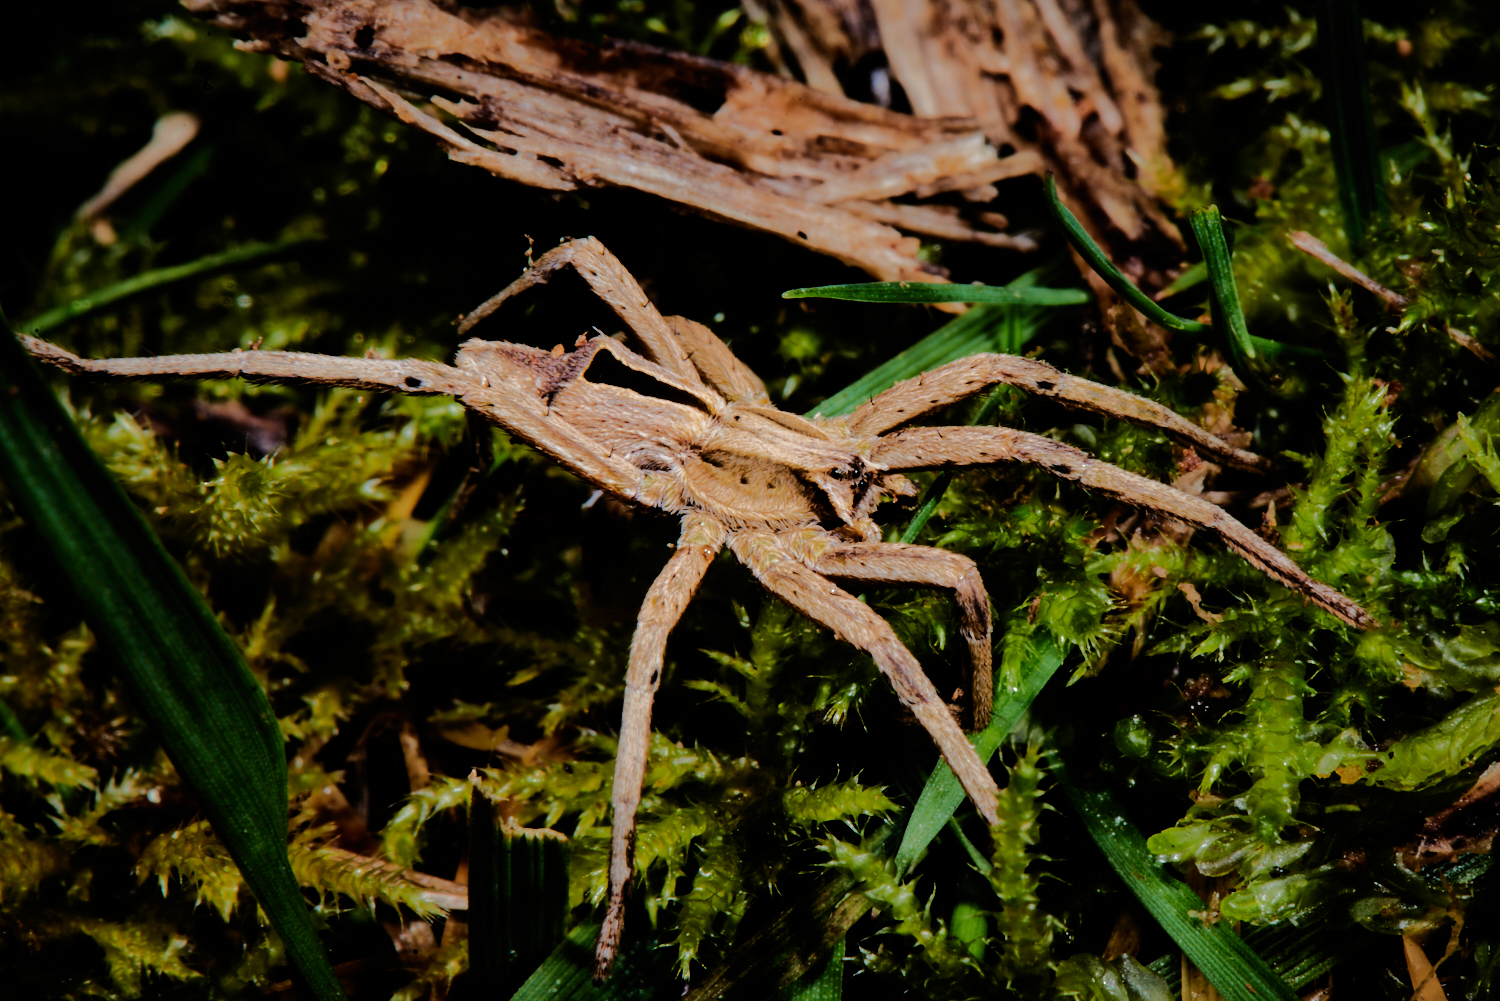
(939, 486)
(1238, 341)
(568, 973)
(1346, 97)
(184, 674)
(1298, 955)
(943, 794)
(990, 327)
(518, 898)
(167, 194)
(1080, 240)
(11, 726)
(1228, 962)
(100, 298)
(929, 292)
(1229, 318)
(823, 983)
(1195, 275)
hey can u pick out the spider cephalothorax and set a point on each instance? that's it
(684, 426)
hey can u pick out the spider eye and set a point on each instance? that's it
(837, 474)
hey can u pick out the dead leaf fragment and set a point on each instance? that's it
(1196, 600)
(1424, 982)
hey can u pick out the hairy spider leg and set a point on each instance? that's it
(936, 448)
(700, 541)
(944, 386)
(405, 375)
(854, 622)
(610, 282)
(898, 563)
(514, 408)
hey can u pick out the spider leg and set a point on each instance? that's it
(701, 539)
(929, 448)
(717, 364)
(896, 563)
(906, 401)
(514, 407)
(856, 623)
(403, 375)
(610, 282)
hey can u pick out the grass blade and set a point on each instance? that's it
(939, 486)
(1195, 275)
(166, 196)
(930, 292)
(942, 794)
(568, 973)
(1229, 963)
(990, 327)
(1239, 341)
(1346, 90)
(184, 674)
(823, 983)
(1080, 240)
(100, 298)
(1229, 318)
(518, 897)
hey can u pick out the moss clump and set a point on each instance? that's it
(424, 598)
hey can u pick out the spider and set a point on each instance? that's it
(791, 497)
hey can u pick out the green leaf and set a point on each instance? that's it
(942, 794)
(939, 486)
(1351, 126)
(1453, 743)
(822, 983)
(100, 298)
(1194, 276)
(1229, 318)
(568, 974)
(991, 327)
(518, 896)
(933, 292)
(1230, 964)
(12, 726)
(1080, 240)
(184, 674)
(1298, 955)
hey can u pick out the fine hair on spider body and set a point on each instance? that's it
(791, 497)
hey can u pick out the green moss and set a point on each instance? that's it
(394, 574)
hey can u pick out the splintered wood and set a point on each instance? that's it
(1066, 81)
(818, 169)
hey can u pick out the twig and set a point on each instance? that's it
(1468, 343)
(1315, 248)
(172, 132)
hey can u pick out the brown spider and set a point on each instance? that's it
(791, 497)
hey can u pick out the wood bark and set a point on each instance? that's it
(751, 148)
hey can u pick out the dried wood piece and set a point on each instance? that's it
(1318, 250)
(940, 221)
(1067, 82)
(816, 169)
